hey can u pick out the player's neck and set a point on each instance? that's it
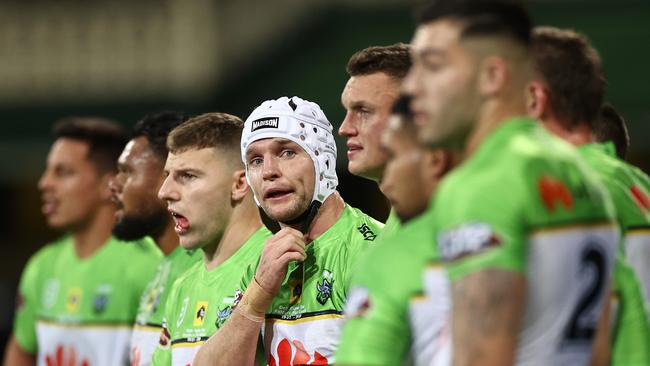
(243, 223)
(92, 235)
(577, 135)
(492, 115)
(167, 240)
(329, 212)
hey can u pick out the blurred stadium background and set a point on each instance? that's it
(122, 59)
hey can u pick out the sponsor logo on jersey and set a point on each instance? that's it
(73, 299)
(199, 314)
(268, 122)
(325, 287)
(466, 239)
(301, 356)
(358, 303)
(367, 233)
(65, 357)
(554, 192)
(641, 198)
(181, 315)
(295, 285)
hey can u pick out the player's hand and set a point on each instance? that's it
(285, 246)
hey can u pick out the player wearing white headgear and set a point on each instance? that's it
(295, 296)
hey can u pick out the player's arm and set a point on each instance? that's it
(487, 307)
(16, 356)
(235, 343)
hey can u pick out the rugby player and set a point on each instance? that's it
(524, 229)
(213, 209)
(567, 98)
(140, 214)
(78, 296)
(376, 74)
(295, 296)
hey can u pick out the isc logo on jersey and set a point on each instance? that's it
(466, 239)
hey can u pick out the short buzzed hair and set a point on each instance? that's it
(155, 127)
(105, 139)
(503, 18)
(573, 72)
(210, 130)
(610, 126)
(393, 60)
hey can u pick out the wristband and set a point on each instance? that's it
(254, 302)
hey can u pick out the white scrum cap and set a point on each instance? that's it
(304, 123)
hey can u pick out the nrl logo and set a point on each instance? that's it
(324, 287)
(269, 122)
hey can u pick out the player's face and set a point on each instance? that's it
(197, 189)
(442, 82)
(367, 100)
(71, 188)
(135, 190)
(282, 176)
(403, 181)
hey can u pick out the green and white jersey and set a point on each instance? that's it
(303, 323)
(392, 224)
(637, 238)
(631, 333)
(525, 202)
(395, 315)
(200, 301)
(148, 322)
(81, 311)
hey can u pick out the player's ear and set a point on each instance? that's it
(493, 75)
(536, 99)
(239, 187)
(440, 162)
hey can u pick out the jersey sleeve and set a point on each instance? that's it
(486, 232)
(26, 303)
(376, 329)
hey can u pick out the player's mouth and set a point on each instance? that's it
(182, 224)
(49, 206)
(353, 149)
(277, 194)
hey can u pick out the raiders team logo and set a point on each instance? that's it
(268, 122)
(325, 287)
(223, 315)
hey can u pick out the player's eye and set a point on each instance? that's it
(255, 161)
(288, 153)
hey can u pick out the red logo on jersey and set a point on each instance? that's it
(640, 198)
(553, 191)
(63, 358)
(285, 351)
(135, 356)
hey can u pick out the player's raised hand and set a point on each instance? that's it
(285, 246)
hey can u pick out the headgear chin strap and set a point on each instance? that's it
(304, 123)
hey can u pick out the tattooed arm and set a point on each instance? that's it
(487, 307)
